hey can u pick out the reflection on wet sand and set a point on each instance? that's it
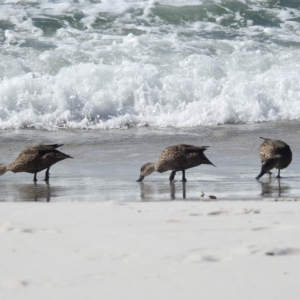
(273, 187)
(42, 192)
(172, 190)
(34, 192)
(148, 192)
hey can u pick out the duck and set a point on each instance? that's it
(274, 154)
(35, 159)
(176, 158)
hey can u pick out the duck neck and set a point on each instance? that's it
(3, 169)
(152, 168)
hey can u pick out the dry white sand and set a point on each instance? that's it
(167, 250)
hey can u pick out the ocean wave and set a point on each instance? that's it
(201, 92)
(95, 64)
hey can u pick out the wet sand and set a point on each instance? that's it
(106, 165)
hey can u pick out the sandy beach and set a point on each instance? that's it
(168, 250)
(94, 232)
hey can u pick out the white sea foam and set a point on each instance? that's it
(147, 63)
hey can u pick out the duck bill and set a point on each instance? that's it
(141, 178)
(260, 175)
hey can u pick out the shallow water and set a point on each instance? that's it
(106, 165)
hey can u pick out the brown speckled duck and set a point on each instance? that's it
(274, 154)
(176, 158)
(35, 159)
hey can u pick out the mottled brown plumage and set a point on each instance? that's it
(35, 159)
(176, 158)
(274, 154)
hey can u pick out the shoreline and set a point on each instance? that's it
(107, 164)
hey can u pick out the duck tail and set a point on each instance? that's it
(55, 145)
(206, 161)
(62, 155)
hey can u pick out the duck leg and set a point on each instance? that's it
(183, 190)
(278, 175)
(34, 178)
(47, 175)
(183, 176)
(172, 175)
